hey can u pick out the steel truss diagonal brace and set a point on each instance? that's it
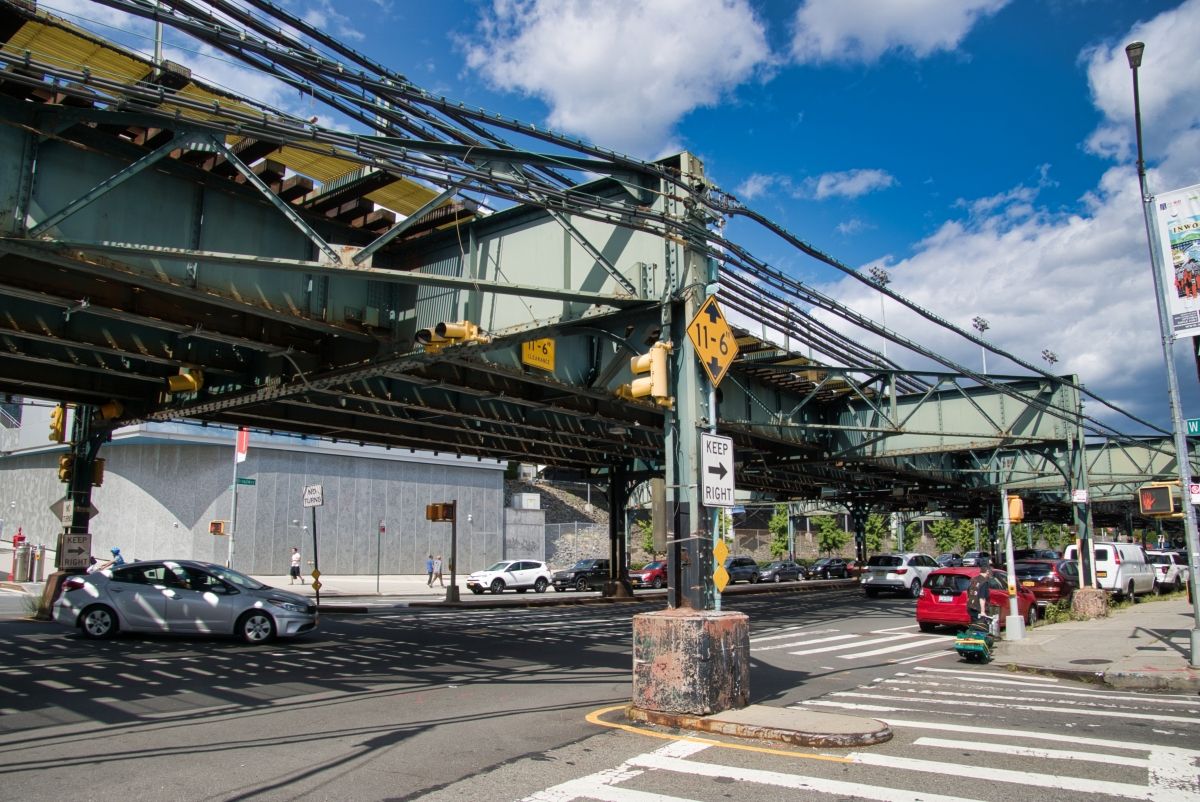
(592, 251)
(118, 178)
(280, 204)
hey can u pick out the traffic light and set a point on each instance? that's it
(216, 527)
(443, 511)
(1158, 500)
(110, 410)
(445, 334)
(58, 424)
(650, 376)
(98, 473)
(66, 466)
(186, 381)
(1016, 509)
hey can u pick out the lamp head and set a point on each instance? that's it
(1133, 51)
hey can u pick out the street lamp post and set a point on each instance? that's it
(882, 278)
(981, 325)
(1134, 52)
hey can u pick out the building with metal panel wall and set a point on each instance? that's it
(165, 483)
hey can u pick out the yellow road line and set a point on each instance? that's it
(594, 718)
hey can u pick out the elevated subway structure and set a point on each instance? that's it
(170, 250)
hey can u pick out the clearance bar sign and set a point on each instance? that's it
(716, 347)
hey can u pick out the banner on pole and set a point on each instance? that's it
(243, 444)
(1177, 216)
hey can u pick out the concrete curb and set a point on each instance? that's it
(1187, 681)
(778, 724)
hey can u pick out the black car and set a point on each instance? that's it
(782, 571)
(583, 575)
(742, 569)
(829, 568)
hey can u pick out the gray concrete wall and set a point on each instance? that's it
(159, 497)
(524, 534)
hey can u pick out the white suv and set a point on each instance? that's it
(520, 575)
(1170, 570)
(899, 573)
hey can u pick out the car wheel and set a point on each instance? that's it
(753, 580)
(540, 585)
(1031, 616)
(98, 622)
(497, 586)
(926, 626)
(581, 585)
(477, 591)
(914, 589)
(1130, 594)
(1178, 584)
(658, 583)
(778, 578)
(256, 626)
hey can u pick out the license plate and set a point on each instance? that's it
(1027, 584)
(1102, 574)
(945, 599)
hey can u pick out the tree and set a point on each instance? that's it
(948, 535)
(830, 536)
(645, 528)
(878, 527)
(778, 527)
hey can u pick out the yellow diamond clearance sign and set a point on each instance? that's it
(716, 347)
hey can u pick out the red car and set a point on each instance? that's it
(1049, 580)
(651, 575)
(943, 599)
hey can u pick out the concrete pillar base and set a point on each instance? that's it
(50, 591)
(617, 590)
(1089, 603)
(694, 662)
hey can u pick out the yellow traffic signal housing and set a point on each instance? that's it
(1016, 509)
(439, 512)
(650, 376)
(58, 424)
(66, 466)
(186, 381)
(450, 333)
(1159, 500)
(98, 473)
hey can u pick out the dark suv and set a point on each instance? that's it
(742, 569)
(583, 575)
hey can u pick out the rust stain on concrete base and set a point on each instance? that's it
(693, 662)
(795, 737)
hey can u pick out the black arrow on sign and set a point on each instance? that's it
(76, 550)
(714, 366)
(714, 312)
(720, 470)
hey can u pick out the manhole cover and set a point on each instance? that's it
(1091, 661)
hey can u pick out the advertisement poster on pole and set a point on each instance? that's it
(1178, 220)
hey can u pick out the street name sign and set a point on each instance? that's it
(716, 347)
(243, 481)
(1193, 426)
(716, 470)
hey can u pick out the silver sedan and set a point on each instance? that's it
(181, 597)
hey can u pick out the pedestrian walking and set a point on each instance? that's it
(429, 570)
(437, 570)
(295, 568)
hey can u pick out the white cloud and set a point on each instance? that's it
(620, 73)
(850, 184)
(865, 30)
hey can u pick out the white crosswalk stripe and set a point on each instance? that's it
(856, 646)
(935, 741)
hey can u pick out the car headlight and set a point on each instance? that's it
(291, 607)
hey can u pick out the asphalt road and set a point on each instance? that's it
(415, 703)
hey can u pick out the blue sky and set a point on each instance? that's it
(979, 150)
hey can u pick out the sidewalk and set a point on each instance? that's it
(1142, 647)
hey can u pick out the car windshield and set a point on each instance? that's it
(776, 564)
(885, 561)
(583, 565)
(947, 583)
(652, 566)
(500, 566)
(1161, 559)
(236, 579)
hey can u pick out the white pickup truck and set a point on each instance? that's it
(1121, 568)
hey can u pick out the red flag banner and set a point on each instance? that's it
(243, 444)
